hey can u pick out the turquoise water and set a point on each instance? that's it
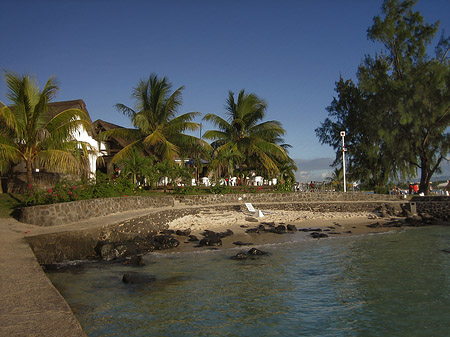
(395, 284)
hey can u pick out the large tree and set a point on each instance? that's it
(259, 144)
(157, 128)
(31, 132)
(404, 100)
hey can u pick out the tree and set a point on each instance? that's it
(260, 143)
(136, 165)
(158, 130)
(30, 132)
(404, 100)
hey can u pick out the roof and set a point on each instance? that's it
(101, 125)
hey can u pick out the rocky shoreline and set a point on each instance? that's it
(211, 232)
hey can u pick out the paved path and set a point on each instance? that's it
(29, 303)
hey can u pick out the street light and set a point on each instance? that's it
(343, 158)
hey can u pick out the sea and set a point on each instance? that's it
(388, 284)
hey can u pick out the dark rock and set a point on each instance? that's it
(243, 226)
(210, 241)
(316, 235)
(239, 256)
(168, 231)
(136, 260)
(185, 232)
(445, 250)
(135, 278)
(291, 228)
(280, 229)
(348, 232)
(240, 243)
(331, 227)
(210, 234)
(270, 224)
(337, 224)
(261, 228)
(252, 230)
(327, 230)
(375, 225)
(395, 223)
(255, 251)
(192, 238)
(310, 229)
(333, 233)
(165, 242)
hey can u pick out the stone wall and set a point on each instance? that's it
(63, 213)
(436, 206)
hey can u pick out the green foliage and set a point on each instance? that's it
(220, 189)
(158, 130)
(243, 140)
(31, 133)
(65, 191)
(397, 115)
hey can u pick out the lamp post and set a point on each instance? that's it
(343, 158)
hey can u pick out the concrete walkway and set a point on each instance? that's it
(29, 303)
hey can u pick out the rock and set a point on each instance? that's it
(337, 224)
(111, 251)
(135, 261)
(136, 278)
(239, 256)
(280, 229)
(445, 250)
(255, 251)
(375, 225)
(316, 235)
(185, 232)
(243, 226)
(210, 241)
(251, 219)
(240, 243)
(291, 228)
(261, 228)
(168, 231)
(372, 216)
(347, 232)
(252, 230)
(310, 229)
(192, 238)
(210, 234)
(165, 242)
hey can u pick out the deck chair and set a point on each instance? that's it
(253, 211)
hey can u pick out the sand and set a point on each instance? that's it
(332, 223)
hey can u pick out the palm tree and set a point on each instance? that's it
(243, 132)
(158, 130)
(31, 133)
(136, 165)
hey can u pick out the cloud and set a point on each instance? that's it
(317, 169)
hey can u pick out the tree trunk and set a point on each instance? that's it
(29, 173)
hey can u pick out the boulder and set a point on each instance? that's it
(165, 242)
(192, 238)
(239, 256)
(136, 260)
(255, 251)
(240, 243)
(317, 235)
(210, 241)
(291, 228)
(185, 232)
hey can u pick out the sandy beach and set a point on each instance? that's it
(331, 223)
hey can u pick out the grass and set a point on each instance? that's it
(8, 205)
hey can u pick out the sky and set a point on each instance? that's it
(290, 53)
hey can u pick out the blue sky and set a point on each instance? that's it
(288, 52)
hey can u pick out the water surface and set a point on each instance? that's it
(394, 284)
